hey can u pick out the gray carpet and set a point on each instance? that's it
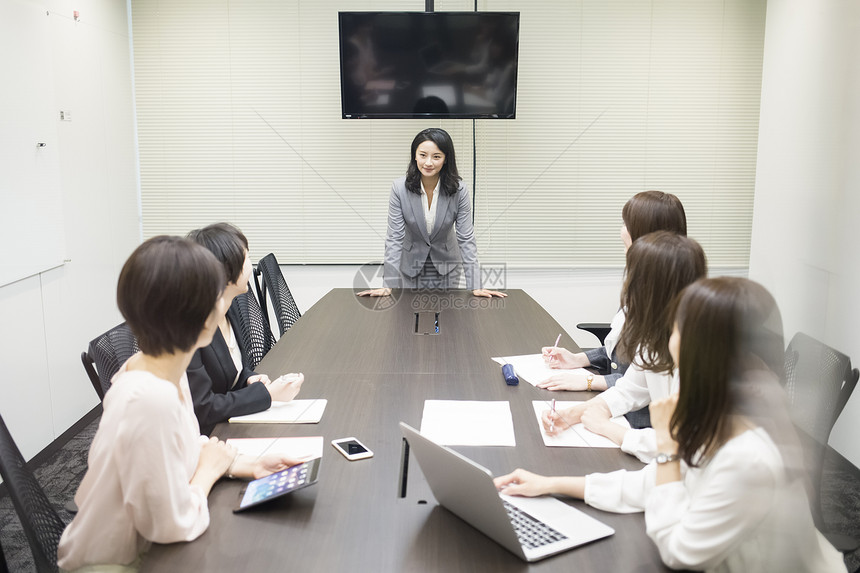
(61, 475)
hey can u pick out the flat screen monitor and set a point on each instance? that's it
(446, 65)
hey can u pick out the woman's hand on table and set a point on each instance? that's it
(375, 292)
(557, 357)
(259, 378)
(556, 422)
(570, 381)
(286, 387)
(482, 292)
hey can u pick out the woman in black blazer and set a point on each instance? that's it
(221, 386)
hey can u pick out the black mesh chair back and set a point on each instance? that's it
(40, 521)
(108, 352)
(818, 381)
(252, 327)
(90, 367)
(273, 283)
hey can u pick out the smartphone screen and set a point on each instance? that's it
(352, 447)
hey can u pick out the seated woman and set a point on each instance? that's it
(221, 386)
(644, 213)
(659, 266)
(150, 471)
(725, 493)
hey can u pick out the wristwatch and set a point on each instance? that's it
(664, 458)
(589, 379)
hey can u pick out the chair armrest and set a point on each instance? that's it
(598, 329)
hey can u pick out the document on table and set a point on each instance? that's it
(576, 436)
(292, 412)
(533, 369)
(306, 446)
(468, 423)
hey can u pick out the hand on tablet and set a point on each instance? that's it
(272, 463)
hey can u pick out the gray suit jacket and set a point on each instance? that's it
(407, 243)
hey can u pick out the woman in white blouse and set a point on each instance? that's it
(644, 213)
(150, 471)
(430, 240)
(659, 266)
(725, 492)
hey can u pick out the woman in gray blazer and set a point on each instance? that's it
(430, 240)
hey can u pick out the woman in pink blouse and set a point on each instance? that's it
(150, 471)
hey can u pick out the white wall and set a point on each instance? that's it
(49, 318)
(807, 196)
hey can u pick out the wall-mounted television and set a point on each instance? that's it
(445, 65)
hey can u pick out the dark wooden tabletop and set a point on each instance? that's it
(364, 356)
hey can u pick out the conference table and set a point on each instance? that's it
(376, 361)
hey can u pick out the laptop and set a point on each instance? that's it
(530, 528)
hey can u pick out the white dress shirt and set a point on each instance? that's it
(738, 512)
(636, 389)
(429, 210)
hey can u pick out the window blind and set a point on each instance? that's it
(238, 106)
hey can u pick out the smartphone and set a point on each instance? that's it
(352, 449)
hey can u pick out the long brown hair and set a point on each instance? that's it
(729, 327)
(449, 177)
(651, 211)
(659, 266)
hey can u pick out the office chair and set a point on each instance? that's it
(283, 304)
(40, 521)
(598, 329)
(251, 327)
(107, 353)
(818, 381)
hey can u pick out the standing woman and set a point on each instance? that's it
(430, 240)
(150, 471)
(725, 494)
(644, 213)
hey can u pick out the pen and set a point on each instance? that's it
(552, 416)
(557, 340)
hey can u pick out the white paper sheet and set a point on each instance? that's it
(533, 369)
(292, 412)
(468, 423)
(305, 446)
(576, 436)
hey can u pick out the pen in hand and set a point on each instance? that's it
(551, 355)
(552, 416)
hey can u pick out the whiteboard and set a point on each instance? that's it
(32, 236)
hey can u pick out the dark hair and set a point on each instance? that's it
(659, 266)
(651, 211)
(167, 289)
(729, 327)
(449, 178)
(227, 243)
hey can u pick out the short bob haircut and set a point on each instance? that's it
(651, 211)
(167, 289)
(731, 352)
(449, 177)
(227, 243)
(659, 266)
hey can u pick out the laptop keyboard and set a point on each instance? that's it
(531, 532)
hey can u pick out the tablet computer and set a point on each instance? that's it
(279, 483)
